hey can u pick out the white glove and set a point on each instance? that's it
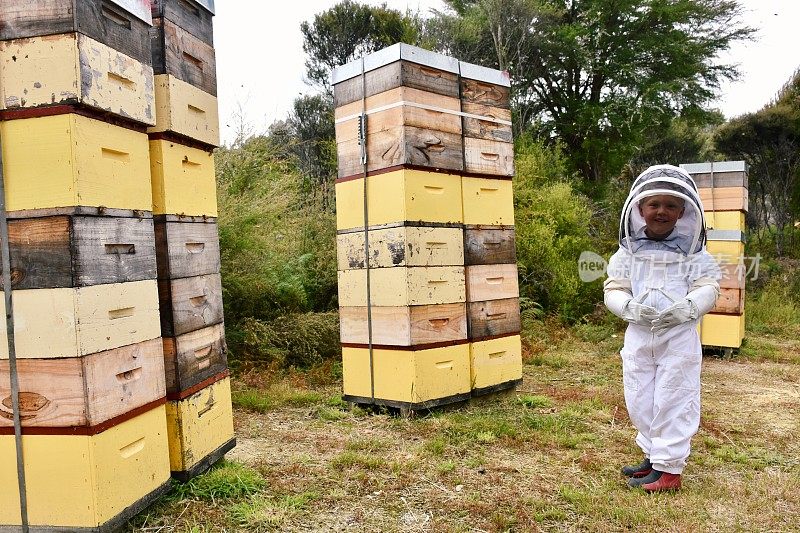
(622, 304)
(681, 311)
(641, 314)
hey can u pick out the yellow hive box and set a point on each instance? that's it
(80, 482)
(72, 322)
(200, 429)
(495, 362)
(726, 220)
(726, 251)
(398, 196)
(407, 376)
(403, 246)
(72, 68)
(487, 201)
(184, 109)
(71, 160)
(399, 286)
(183, 179)
(726, 331)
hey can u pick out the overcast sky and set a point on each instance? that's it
(260, 59)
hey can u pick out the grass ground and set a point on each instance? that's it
(544, 458)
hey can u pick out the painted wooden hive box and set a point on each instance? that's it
(200, 428)
(183, 179)
(185, 111)
(72, 160)
(73, 69)
(95, 481)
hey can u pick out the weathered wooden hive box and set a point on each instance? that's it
(427, 217)
(123, 25)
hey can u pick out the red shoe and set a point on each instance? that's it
(666, 482)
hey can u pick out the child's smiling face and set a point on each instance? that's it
(661, 213)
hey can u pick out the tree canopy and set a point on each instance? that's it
(598, 74)
(769, 141)
(349, 30)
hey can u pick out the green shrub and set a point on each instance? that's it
(553, 227)
(278, 251)
(774, 306)
(299, 339)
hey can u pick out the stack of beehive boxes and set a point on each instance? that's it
(76, 97)
(199, 414)
(723, 191)
(429, 306)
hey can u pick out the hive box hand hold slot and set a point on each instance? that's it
(120, 24)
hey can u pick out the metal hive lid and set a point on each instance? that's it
(138, 8)
(158, 5)
(420, 56)
(717, 166)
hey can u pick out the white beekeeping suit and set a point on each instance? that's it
(662, 287)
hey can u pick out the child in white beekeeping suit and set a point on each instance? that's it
(661, 281)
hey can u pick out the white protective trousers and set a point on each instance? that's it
(661, 374)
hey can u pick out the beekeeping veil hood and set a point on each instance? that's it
(674, 181)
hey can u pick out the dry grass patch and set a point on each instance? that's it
(545, 458)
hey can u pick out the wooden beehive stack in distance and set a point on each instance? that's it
(723, 191)
(441, 300)
(199, 412)
(76, 97)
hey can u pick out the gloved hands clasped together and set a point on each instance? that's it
(686, 309)
(659, 322)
